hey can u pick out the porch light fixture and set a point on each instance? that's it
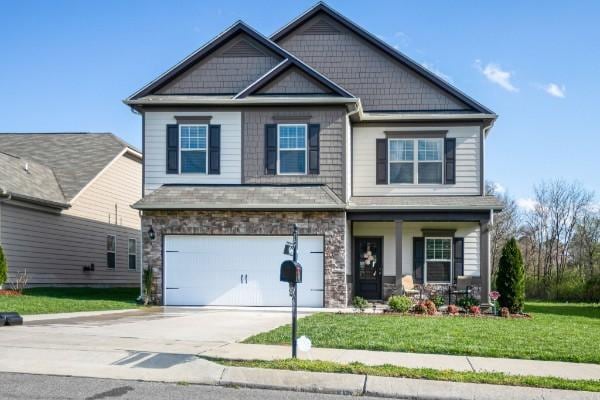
(151, 234)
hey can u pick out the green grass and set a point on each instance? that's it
(60, 300)
(496, 378)
(557, 331)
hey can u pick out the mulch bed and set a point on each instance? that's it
(461, 314)
(7, 292)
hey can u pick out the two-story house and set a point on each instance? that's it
(379, 162)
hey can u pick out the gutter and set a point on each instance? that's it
(427, 116)
(6, 195)
(167, 100)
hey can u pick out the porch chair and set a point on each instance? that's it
(408, 287)
(463, 286)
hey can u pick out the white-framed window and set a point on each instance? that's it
(111, 251)
(132, 252)
(438, 260)
(425, 168)
(291, 149)
(193, 142)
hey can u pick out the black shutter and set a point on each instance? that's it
(459, 257)
(381, 161)
(418, 259)
(313, 149)
(450, 161)
(172, 149)
(214, 149)
(270, 149)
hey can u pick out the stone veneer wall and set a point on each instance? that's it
(328, 223)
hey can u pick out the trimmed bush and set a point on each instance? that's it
(452, 309)
(400, 303)
(431, 308)
(359, 303)
(504, 312)
(467, 301)
(420, 308)
(510, 279)
(438, 300)
(3, 268)
(475, 310)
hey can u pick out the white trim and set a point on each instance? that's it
(180, 172)
(425, 260)
(134, 254)
(250, 86)
(114, 252)
(305, 149)
(367, 116)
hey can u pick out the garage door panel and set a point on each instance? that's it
(239, 270)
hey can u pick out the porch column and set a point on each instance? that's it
(398, 230)
(484, 256)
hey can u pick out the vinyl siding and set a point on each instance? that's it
(468, 155)
(155, 148)
(468, 230)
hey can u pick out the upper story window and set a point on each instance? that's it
(291, 149)
(425, 168)
(193, 148)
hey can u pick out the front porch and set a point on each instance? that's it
(436, 249)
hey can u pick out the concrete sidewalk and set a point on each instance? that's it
(567, 370)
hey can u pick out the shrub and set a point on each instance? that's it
(592, 289)
(400, 303)
(510, 280)
(359, 303)
(452, 309)
(420, 308)
(438, 300)
(475, 310)
(3, 268)
(431, 308)
(504, 312)
(467, 301)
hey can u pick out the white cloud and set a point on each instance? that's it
(498, 188)
(494, 73)
(436, 71)
(527, 204)
(555, 90)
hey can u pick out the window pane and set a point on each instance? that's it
(438, 271)
(193, 137)
(438, 249)
(430, 150)
(110, 243)
(401, 172)
(110, 260)
(132, 261)
(292, 137)
(401, 150)
(430, 172)
(132, 246)
(193, 161)
(292, 161)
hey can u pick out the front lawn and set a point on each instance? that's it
(61, 300)
(557, 331)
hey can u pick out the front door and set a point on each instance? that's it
(368, 267)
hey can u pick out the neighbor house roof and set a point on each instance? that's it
(359, 203)
(75, 159)
(241, 197)
(27, 180)
(321, 7)
(208, 48)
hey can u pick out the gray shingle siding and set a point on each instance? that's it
(332, 168)
(379, 81)
(293, 82)
(229, 70)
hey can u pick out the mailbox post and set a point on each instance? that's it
(291, 272)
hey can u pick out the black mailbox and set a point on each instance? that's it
(291, 272)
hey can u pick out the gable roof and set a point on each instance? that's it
(28, 180)
(75, 159)
(321, 7)
(218, 41)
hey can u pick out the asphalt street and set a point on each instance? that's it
(48, 387)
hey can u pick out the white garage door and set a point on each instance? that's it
(239, 270)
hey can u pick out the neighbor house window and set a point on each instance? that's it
(291, 142)
(111, 247)
(193, 148)
(430, 160)
(438, 260)
(132, 247)
(401, 161)
(425, 168)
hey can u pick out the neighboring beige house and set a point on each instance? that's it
(65, 214)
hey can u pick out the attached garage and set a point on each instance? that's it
(235, 270)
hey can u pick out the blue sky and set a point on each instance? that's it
(66, 66)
